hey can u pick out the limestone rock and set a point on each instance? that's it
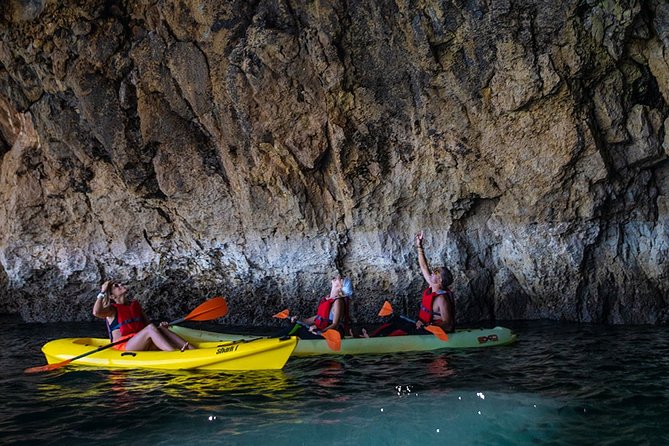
(255, 149)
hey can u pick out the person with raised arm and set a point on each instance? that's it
(126, 320)
(437, 303)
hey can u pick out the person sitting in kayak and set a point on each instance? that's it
(332, 312)
(437, 303)
(126, 320)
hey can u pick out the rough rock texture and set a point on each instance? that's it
(255, 148)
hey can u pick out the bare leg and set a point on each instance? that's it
(151, 335)
(175, 339)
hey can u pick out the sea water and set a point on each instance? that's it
(561, 384)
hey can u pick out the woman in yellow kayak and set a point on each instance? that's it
(126, 321)
(332, 312)
(437, 303)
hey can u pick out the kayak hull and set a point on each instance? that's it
(257, 354)
(463, 338)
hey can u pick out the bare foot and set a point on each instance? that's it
(364, 333)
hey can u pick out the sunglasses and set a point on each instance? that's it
(118, 285)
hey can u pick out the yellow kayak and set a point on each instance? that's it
(255, 354)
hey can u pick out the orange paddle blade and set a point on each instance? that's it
(46, 368)
(333, 339)
(437, 331)
(282, 314)
(386, 309)
(211, 309)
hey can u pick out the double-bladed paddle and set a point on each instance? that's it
(387, 310)
(332, 337)
(211, 309)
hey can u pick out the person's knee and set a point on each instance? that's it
(151, 328)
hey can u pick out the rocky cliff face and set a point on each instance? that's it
(255, 148)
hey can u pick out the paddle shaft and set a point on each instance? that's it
(408, 319)
(430, 328)
(99, 349)
(436, 330)
(211, 309)
(390, 309)
(106, 346)
(285, 314)
(332, 336)
(413, 321)
(178, 321)
(305, 325)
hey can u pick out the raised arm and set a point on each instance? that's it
(102, 307)
(422, 261)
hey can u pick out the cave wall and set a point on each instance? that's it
(255, 148)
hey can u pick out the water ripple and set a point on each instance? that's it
(562, 384)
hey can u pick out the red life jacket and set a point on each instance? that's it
(129, 318)
(322, 319)
(426, 314)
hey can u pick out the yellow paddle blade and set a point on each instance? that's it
(386, 309)
(333, 339)
(282, 314)
(437, 331)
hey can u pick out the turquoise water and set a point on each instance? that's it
(562, 384)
